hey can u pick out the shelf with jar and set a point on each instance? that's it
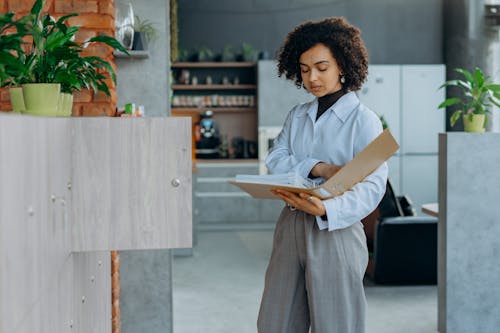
(223, 102)
(214, 86)
(228, 91)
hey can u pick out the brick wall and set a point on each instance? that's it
(96, 18)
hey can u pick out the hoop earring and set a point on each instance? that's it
(342, 78)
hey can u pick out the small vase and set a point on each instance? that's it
(476, 125)
(41, 99)
(140, 41)
(17, 99)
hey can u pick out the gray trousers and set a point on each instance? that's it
(314, 279)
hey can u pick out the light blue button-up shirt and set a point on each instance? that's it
(339, 134)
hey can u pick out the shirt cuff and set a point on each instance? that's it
(322, 225)
(334, 219)
(306, 166)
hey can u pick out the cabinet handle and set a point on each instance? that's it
(175, 182)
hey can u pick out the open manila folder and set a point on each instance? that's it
(363, 164)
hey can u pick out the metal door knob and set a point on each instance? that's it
(175, 182)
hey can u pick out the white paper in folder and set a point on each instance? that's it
(363, 164)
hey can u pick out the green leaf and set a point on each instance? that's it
(37, 8)
(493, 87)
(57, 39)
(449, 102)
(497, 103)
(449, 83)
(465, 73)
(62, 19)
(454, 117)
(6, 21)
(478, 77)
(108, 41)
(464, 85)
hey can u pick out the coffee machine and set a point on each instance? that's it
(207, 137)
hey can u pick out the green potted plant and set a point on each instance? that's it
(144, 33)
(228, 53)
(248, 53)
(478, 94)
(205, 54)
(53, 63)
(10, 64)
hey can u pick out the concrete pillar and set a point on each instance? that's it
(468, 229)
(146, 276)
(470, 42)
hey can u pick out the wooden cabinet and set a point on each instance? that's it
(72, 189)
(229, 89)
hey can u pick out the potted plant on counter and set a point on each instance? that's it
(478, 94)
(53, 63)
(10, 64)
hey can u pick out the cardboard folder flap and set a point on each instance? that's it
(363, 164)
(263, 191)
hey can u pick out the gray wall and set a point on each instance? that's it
(395, 31)
(145, 81)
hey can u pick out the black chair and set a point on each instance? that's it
(405, 250)
(404, 246)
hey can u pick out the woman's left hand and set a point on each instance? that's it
(302, 201)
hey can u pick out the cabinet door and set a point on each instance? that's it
(381, 94)
(131, 183)
(420, 179)
(36, 278)
(421, 119)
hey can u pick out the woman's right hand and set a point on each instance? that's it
(325, 170)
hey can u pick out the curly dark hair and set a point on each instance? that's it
(342, 38)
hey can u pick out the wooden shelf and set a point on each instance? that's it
(212, 64)
(213, 86)
(214, 109)
(232, 121)
(132, 54)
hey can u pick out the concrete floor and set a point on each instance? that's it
(218, 289)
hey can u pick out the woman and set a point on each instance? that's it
(315, 275)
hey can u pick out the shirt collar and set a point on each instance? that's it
(342, 108)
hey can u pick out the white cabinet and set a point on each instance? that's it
(420, 97)
(381, 94)
(407, 96)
